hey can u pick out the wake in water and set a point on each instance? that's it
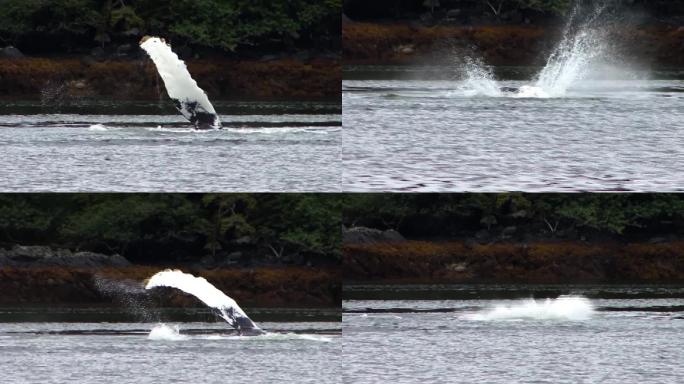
(163, 332)
(583, 43)
(189, 99)
(224, 306)
(571, 308)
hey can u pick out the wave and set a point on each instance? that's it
(163, 332)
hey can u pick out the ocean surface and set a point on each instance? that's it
(119, 146)
(514, 334)
(426, 129)
(101, 349)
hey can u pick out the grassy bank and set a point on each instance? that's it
(407, 43)
(256, 287)
(138, 79)
(542, 262)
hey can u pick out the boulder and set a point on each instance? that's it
(363, 235)
(453, 14)
(11, 52)
(43, 256)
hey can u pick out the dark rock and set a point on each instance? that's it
(519, 214)
(42, 256)
(11, 52)
(244, 240)
(132, 32)
(453, 14)
(363, 235)
(232, 258)
(509, 231)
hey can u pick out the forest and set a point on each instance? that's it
(265, 229)
(227, 26)
(518, 215)
(495, 11)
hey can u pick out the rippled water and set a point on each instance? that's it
(116, 146)
(187, 352)
(404, 133)
(633, 335)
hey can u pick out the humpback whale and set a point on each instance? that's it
(222, 305)
(189, 99)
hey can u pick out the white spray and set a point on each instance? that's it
(226, 307)
(189, 99)
(571, 308)
(570, 62)
(479, 80)
(573, 57)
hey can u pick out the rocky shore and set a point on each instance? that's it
(85, 77)
(502, 45)
(42, 275)
(513, 262)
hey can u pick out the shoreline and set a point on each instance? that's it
(83, 78)
(375, 43)
(423, 262)
(252, 287)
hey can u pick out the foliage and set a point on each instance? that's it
(448, 214)
(307, 222)
(158, 227)
(224, 24)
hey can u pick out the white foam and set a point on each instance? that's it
(228, 309)
(177, 80)
(97, 127)
(572, 308)
(166, 333)
(531, 91)
(479, 81)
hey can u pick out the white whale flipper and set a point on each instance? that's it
(225, 307)
(189, 99)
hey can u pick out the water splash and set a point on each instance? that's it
(478, 79)
(189, 99)
(97, 127)
(574, 56)
(163, 332)
(225, 307)
(582, 46)
(573, 308)
(131, 294)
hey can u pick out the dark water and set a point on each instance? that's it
(303, 349)
(630, 335)
(140, 146)
(418, 129)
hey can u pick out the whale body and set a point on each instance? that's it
(188, 98)
(222, 305)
